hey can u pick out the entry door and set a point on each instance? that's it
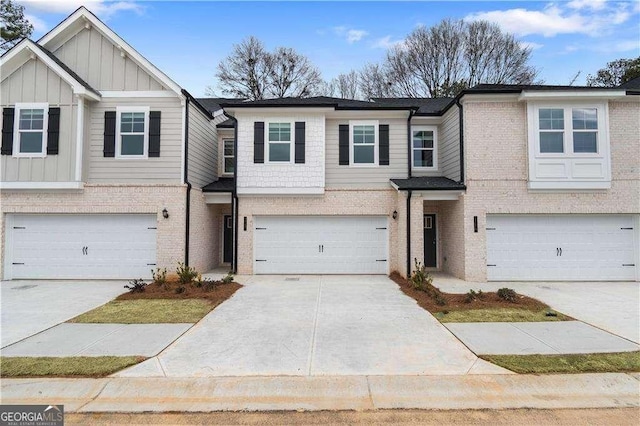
(320, 245)
(227, 236)
(430, 254)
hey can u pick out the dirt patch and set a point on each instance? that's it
(457, 302)
(215, 292)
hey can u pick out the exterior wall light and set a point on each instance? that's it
(165, 213)
(395, 214)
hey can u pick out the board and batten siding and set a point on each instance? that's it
(203, 148)
(449, 135)
(347, 177)
(166, 169)
(98, 61)
(35, 82)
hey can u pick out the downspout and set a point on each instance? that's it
(409, 193)
(234, 193)
(186, 181)
(461, 130)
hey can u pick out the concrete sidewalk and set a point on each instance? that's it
(327, 393)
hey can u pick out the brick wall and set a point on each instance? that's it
(203, 234)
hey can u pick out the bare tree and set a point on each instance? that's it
(374, 82)
(345, 86)
(291, 74)
(244, 73)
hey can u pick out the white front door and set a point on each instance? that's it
(60, 246)
(561, 247)
(321, 245)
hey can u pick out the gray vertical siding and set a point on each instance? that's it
(366, 177)
(203, 148)
(98, 61)
(35, 82)
(166, 169)
(450, 144)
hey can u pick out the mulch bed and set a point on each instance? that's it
(456, 301)
(217, 292)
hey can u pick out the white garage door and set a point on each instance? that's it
(320, 245)
(80, 246)
(561, 247)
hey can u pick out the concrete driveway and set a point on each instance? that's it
(611, 306)
(29, 307)
(315, 326)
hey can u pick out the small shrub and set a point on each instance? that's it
(136, 286)
(420, 279)
(198, 281)
(209, 285)
(180, 290)
(159, 276)
(228, 279)
(186, 274)
(439, 299)
(473, 295)
(507, 294)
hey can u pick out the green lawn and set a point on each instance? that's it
(499, 315)
(620, 362)
(80, 366)
(148, 311)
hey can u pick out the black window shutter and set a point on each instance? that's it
(7, 131)
(154, 134)
(258, 142)
(383, 145)
(109, 134)
(343, 145)
(53, 132)
(300, 142)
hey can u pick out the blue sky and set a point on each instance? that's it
(187, 39)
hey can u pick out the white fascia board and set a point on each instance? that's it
(77, 87)
(280, 191)
(138, 94)
(217, 198)
(571, 94)
(292, 110)
(440, 195)
(83, 13)
(40, 185)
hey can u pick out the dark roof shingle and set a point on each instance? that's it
(221, 185)
(428, 183)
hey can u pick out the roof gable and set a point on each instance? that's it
(84, 19)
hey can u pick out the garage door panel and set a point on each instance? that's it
(560, 247)
(81, 246)
(320, 245)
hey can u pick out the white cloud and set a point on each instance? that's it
(531, 45)
(387, 43)
(352, 35)
(595, 19)
(103, 8)
(39, 26)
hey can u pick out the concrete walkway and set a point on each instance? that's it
(327, 393)
(29, 307)
(527, 338)
(611, 306)
(71, 339)
(315, 326)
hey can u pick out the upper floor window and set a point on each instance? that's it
(228, 156)
(30, 130)
(568, 130)
(363, 143)
(279, 142)
(132, 137)
(424, 148)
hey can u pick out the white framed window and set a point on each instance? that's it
(363, 143)
(227, 156)
(279, 144)
(31, 121)
(577, 129)
(424, 148)
(132, 132)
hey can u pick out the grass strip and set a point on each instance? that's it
(147, 311)
(77, 366)
(499, 315)
(619, 362)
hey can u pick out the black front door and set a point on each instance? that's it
(430, 241)
(227, 236)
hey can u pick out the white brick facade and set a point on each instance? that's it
(273, 177)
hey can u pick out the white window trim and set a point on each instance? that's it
(224, 157)
(376, 144)
(16, 129)
(119, 111)
(433, 129)
(602, 134)
(292, 138)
